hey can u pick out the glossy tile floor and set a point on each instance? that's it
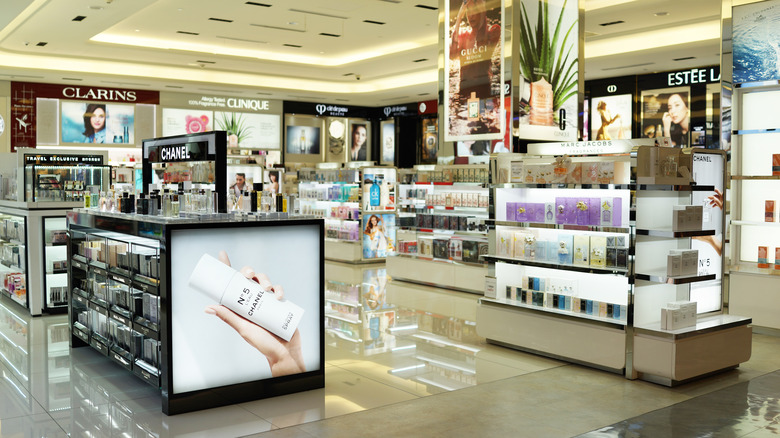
(416, 367)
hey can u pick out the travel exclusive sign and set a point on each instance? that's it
(593, 147)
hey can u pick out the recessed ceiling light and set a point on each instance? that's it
(685, 58)
(223, 20)
(420, 60)
(373, 22)
(292, 23)
(138, 30)
(96, 8)
(187, 33)
(265, 5)
(292, 45)
(41, 43)
(79, 18)
(431, 8)
(329, 34)
(612, 23)
(661, 14)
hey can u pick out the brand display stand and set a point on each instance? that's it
(754, 274)
(588, 284)
(132, 302)
(358, 204)
(442, 227)
(49, 183)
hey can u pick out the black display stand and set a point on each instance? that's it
(99, 300)
(206, 146)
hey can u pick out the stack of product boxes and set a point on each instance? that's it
(684, 262)
(678, 314)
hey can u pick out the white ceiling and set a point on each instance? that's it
(140, 44)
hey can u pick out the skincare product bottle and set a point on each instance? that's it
(167, 207)
(176, 199)
(247, 298)
(375, 194)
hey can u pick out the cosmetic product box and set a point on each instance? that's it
(598, 251)
(777, 258)
(775, 164)
(456, 249)
(441, 249)
(763, 254)
(506, 239)
(673, 265)
(471, 251)
(770, 211)
(565, 249)
(581, 249)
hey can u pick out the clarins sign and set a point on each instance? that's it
(102, 94)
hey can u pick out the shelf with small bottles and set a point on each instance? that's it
(359, 208)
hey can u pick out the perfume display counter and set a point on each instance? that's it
(134, 299)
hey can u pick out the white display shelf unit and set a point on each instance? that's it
(593, 311)
(343, 197)
(442, 227)
(755, 139)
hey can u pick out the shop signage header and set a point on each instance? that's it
(221, 103)
(192, 151)
(693, 76)
(590, 147)
(63, 159)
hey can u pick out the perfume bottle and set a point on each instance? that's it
(375, 194)
(247, 298)
(473, 107)
(302, 141)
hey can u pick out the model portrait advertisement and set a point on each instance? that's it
(378, 235)
(666, 113)
(245, 304)
(97, 123)
(359, 140)
(611, 117)
(474, 107)
(547, 52)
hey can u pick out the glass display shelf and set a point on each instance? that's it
(755, 223)
(587, 269)
(434, 259)
(552, 311)
(570, 227)
(673, 234)
(661, 277)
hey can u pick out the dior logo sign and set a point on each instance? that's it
(611, 88)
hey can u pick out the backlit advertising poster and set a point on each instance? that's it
(611, 117)
(269, 281)
(388, 142)
(185, 121)
(248, 130)
(547, 50)
(97, 122)
(756, 42)
(665, 113)
(430, 141)
(304, 140)
(473, 104)
(378, 235)
(708, 170)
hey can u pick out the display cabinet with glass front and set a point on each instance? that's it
(13, 257)
(63, 177)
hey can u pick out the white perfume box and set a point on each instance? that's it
(695, 216)
(674, 265)
(680, 218)
(581, 249)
